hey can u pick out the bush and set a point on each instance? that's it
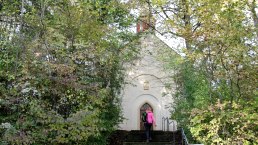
(225, 123)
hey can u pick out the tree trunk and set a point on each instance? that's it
(187, 23)
(254, 15)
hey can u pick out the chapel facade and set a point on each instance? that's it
(147, 81)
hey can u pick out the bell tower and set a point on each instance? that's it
(146, 20)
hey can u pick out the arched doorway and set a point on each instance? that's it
(143, 109)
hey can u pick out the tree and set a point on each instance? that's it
(62, 70)
(221, 45)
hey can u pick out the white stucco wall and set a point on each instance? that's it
(146, 68)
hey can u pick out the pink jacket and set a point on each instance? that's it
(150, 118)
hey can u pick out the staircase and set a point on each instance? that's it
(137, 137)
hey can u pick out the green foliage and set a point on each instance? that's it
(221, 50)
(192, 89)
(225, 124)
(61, 70)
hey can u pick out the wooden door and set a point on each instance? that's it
(143, 109)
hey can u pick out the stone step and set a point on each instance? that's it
(153, 143)
(157, 136)
(138, 137)
(147, 143)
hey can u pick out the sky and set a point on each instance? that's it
(175, 43)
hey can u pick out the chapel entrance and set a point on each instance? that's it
(143, 109)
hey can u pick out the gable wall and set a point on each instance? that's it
(146, 68)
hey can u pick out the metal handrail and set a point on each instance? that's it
(184, 137)
(166, 123)
(162, 124)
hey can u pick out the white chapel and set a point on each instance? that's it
(147, 82)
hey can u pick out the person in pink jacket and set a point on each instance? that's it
(150, 120)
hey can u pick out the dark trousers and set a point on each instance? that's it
(147, 130)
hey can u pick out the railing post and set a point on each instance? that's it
(184, 139)
(168, 124)
(162, 124)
